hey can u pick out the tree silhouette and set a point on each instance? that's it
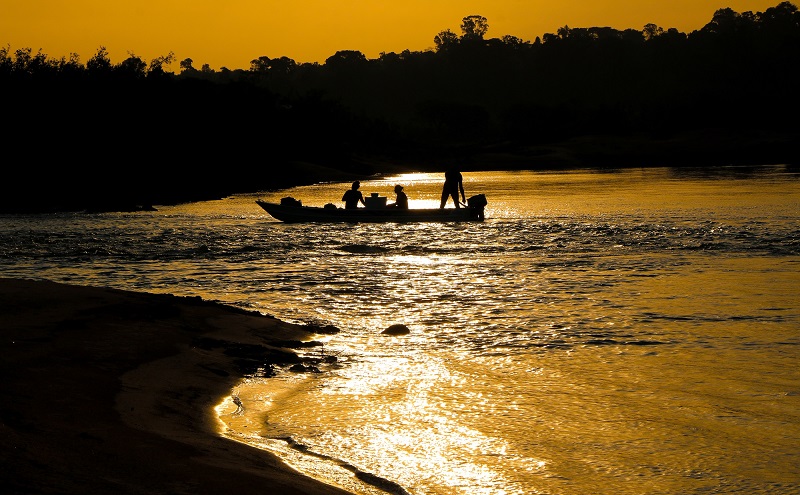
(725, 93)
(100, 62)
(134, 66)
(474, 27)
(445, 40)
(652, 31)
(186, 65)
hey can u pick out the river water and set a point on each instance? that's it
(627, 332)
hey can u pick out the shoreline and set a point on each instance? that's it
(709, 149)
(111, 391)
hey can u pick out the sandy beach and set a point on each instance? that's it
(108, 391)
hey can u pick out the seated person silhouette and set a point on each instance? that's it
(402, 200)
(353, 196)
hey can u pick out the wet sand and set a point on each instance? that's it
(108, 391)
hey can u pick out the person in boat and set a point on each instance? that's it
(453, 184)
(353, 196)
(402, 200)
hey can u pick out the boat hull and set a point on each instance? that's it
(299, 214)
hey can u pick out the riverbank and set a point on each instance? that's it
(108, 391)
(92, 190)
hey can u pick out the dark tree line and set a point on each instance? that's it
(112, 136)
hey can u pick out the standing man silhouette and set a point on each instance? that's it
(453, 184)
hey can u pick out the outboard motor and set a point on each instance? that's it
(477, 203)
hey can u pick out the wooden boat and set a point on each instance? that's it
(290, 210)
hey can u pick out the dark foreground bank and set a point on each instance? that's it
(108, 391)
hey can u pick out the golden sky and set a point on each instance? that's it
(231, 33)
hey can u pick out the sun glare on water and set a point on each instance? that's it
(393, 404)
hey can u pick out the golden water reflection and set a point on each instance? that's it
(616, 342)
(394, 405)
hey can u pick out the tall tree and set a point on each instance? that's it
(474, 27)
